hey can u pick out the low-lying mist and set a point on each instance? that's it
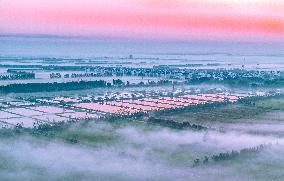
(138, 151)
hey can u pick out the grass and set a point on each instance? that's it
(226, 114)
(273, 104)
(83, 136)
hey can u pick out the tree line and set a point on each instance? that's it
(229, 155)
(49, 87)
(18, 76)
(175, 124)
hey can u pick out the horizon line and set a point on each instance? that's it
(129, 39)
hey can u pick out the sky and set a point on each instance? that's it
(242, 20)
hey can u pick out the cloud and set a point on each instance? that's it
(136, 152)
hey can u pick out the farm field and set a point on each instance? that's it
(60, 109)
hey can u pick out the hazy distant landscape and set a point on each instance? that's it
(141, 116)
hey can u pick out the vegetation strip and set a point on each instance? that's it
(176, 125)
(229, 155)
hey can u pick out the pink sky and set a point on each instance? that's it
(161, 19)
